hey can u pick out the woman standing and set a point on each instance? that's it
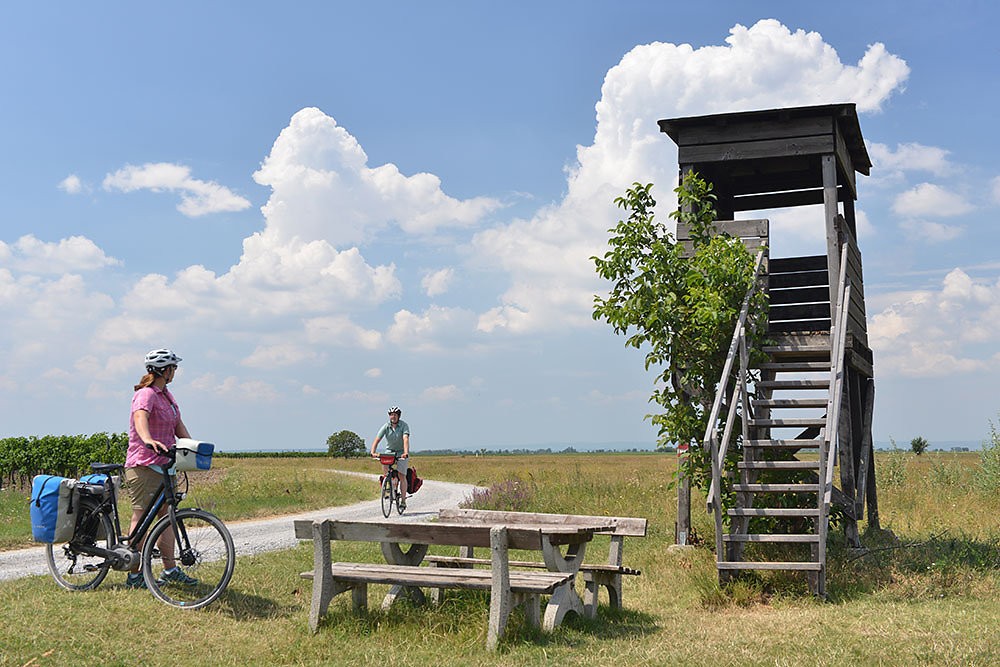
(154, 426)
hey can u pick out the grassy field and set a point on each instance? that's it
(930, 596)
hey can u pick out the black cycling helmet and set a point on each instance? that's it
(395, 409)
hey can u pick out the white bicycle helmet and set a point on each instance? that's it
(395, 408)
(160, 359)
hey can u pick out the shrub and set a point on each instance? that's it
(919, 445)
(510, 495)
(987, 476)
(945, 472)
(892, 472)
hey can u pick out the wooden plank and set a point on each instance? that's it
(854, 280)
(790, 403)
(754, 130)
(804, 311)
(772, 537)
(795, 366)
(828, 166)
(798, 326)
(794, 443)
(433, 577)
(777, 488)
(735, 228)
(854, 256)
(432, 533)
(586, 567)
(775, 511)
(801, 295)
(758, 565)
(800, 279)
(796, 264)
(752, 244)
(777, 465)
(817, 383)
(789, 199)
(788, 422)
(611, 525)
(844, 161)
(756, 150)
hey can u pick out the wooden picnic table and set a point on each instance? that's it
(549, 539)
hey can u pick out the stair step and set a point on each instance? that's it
(777, 488)
(770, 537)
(774, 511)
(760, 565)
(817, 383)
(790, 403)
(790, 349)
(796, 366)
(778, 465)
(783, 444)
(789, 422)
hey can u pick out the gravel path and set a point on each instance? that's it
(257, 536)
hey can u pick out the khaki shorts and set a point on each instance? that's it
(142, 484)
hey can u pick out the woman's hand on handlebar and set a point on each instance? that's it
(157, 446)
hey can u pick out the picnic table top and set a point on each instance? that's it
(519, 535)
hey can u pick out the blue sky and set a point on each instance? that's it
(326, 209)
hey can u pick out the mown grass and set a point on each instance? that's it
(932, 602)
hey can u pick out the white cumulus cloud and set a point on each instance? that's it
(933, 333)
(888, 163)
(552, 281)
(439, 394)
(930, 201)
(31, 255)
(197, 197)
(437, 282)
(71, 185)
(323, 188)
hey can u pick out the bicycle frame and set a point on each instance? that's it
(165, 494)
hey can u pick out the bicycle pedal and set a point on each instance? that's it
(91, 568)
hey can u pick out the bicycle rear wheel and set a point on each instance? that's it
(387, 495)
(77, 571)
(205, 553)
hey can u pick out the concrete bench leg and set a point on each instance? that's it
(501, 597)
(592, 582)
(359, 597)
(437, 594)
(532, 603)
(413, 556)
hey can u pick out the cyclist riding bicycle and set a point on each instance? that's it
(397, 441)
(154, 426)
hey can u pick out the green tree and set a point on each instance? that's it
(681, 309)
(346, 444)
(918, 445)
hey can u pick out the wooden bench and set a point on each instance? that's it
(594, 575)
(507, 589)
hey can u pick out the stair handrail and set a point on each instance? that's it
(710, 441)
(838, 340)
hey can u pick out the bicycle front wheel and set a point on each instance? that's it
(203, 550)
(387, 495)
(73, 569)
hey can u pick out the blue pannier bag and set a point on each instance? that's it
(54, 503)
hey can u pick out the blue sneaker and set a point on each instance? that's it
(135, 580)
(176, 575)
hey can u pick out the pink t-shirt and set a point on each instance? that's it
(163, 417)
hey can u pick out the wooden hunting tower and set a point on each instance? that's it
(815, 394)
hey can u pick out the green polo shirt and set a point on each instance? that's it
(394, 436)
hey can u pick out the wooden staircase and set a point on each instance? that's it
(784, 483)
(794, 386)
